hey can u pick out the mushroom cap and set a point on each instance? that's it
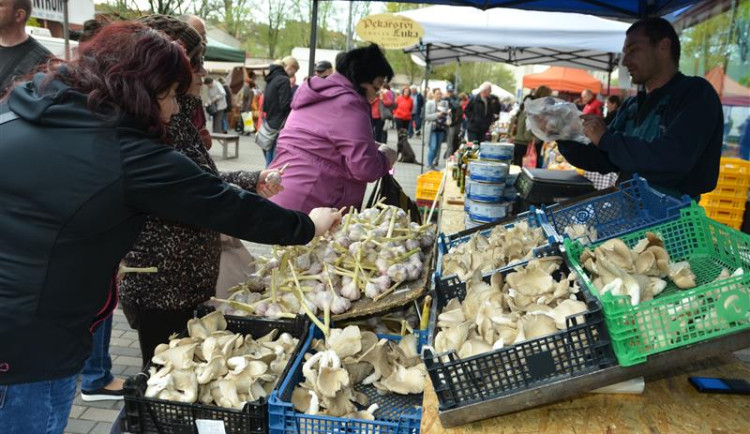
(345, 342)
(180, 357)
(538, 325)
(404, 381)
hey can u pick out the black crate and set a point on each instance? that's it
(150, 415)
(584, 347)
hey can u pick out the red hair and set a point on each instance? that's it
(124, 69)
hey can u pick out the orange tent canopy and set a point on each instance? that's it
(731, 92)
(563, 80)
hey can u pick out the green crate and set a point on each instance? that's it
(677, 318)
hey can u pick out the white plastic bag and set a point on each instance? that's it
(553, 119)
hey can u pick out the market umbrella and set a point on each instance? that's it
(563, 80)
(216, 50)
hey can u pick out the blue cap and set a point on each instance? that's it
(449, 87)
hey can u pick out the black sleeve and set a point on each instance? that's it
(165, 183)
(285, 99)
(668, 159)
(587, 157)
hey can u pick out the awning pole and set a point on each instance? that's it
(66, 30)
(313, 38)
(609, 73)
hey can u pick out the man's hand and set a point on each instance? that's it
(266, 188)
(594, 127)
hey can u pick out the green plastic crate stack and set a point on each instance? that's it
(676, 317)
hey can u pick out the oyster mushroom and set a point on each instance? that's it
(681, 275)
(404, 381)
(346, 342)
(180, 357)
(211, 370)
(538, 325)
(368, 414)
(565, 309)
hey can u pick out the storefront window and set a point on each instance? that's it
(715, 40)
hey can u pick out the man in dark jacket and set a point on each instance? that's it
(671, 133)
(277, 99)
(19, 52)
(479, 114)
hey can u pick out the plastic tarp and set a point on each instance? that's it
(563, 80)
(731, 92)
(221, 52)
(631, 9)
(498, 92)
(517, 37)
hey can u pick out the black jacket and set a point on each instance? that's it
(671, 136)
(74, 194)
(479, 114)
(277, 99)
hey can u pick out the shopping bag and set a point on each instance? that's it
(236, 264)
(387, 187)
(529, 159)
(247, 120)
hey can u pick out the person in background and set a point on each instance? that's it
(520, 134)
(217, 98)
(159, 304)
(671, 133)
(277, 98)
(198, 117)
(613, 104)
(591, 105)
(230, 105)
(380, 105)
(416, 114)
(404, 109)
(99, 136)
(327, 142)
(479, 114)
(293, 84)
(388, 95)
(19, 53)
(463, 100)
(454, 129)
(323, 69)
(437, 112)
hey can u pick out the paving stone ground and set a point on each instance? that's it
(97, 417)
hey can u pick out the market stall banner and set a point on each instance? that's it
(390, 31)
(79, 10)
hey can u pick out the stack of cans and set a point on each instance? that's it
(487, 196)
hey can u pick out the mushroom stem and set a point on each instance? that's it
(301, 296)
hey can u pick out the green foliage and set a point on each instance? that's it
(400, 7)
(472, 74)
(718, 41)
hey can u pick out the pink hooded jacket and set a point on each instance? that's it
(329, 146)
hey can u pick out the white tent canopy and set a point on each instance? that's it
(518, 37)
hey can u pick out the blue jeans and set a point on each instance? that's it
(41, 407)
(95, 374)
(269, 154)
(436, 138)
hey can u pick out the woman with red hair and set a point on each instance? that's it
(94, 130)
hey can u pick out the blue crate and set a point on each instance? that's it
(584, 347)
(534, 217)
(398, 414)
(633, 206)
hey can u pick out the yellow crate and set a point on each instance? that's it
(728, 191)
(734, 172)
(428, 185)
(724, 215)
(732, 223)
(721, 202)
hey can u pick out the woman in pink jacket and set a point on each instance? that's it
(328, 140)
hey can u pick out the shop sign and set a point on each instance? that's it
(390, 31)
(52, 10)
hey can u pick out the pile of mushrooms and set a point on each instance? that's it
(586, 233)
(504, 246)
(527, 303)
(639, 272)
(217, 367)
(350, 358)
(371, 253)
